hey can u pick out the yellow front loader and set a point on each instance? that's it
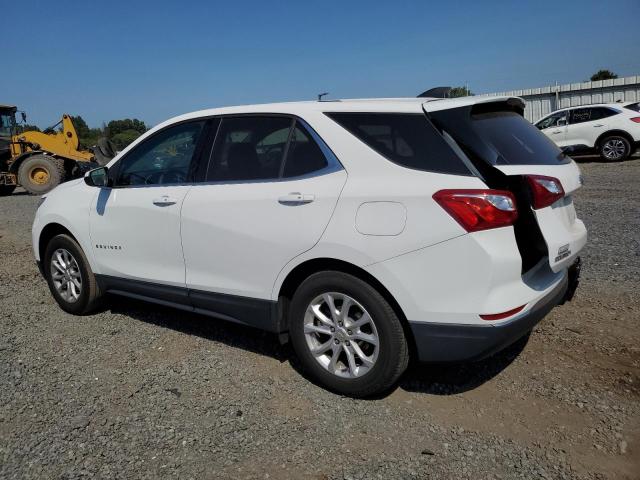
(39, 161)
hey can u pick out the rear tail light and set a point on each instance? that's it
(500, 316)
(479, 209)
(545, 190)
(635, 119)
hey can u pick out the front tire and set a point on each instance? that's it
(71, 281)
(346, 335)
(39, 174)
(614, 148)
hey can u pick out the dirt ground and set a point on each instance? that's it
(141, 391)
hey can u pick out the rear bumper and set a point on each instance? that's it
(441, 342)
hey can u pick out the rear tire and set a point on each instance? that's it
(39, 174)
(6, 190)
(369, 356)
(71, 281)
(614, 148)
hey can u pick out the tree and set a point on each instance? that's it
(82, 129)
(28, 128)
(124, 138)
(460, 92)
(603, 75)
(87, 136)
(119, 126)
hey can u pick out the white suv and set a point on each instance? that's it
(612, 130)
(364, 231)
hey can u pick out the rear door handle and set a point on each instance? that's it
(296, 198)
(599, 125)
(164, 201)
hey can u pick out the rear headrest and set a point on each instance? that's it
(242, 160)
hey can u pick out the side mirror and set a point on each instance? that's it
(24, 117)
(98, 177)
(562, 122)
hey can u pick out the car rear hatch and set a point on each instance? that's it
(507, 152)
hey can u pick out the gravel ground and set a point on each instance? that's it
(141, 391)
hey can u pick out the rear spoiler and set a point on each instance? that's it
(482, 102)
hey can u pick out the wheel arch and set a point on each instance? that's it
(48, 232)
(612, 133)
(307, 268)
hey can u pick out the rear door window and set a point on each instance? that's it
(249, 148)
(582, 115)
(409, 140)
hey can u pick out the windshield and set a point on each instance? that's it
(6, 124)
(499, 135)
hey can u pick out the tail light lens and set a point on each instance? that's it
(545, 190)
(479, 209)
(635, 119)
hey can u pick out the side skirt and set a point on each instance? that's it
(257, 313)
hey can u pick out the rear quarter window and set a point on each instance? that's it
(409, 140)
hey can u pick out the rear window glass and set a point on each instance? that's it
(409, 140)
(634, 106)
(501, 137)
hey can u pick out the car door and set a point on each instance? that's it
(587, 124)
(135, 224)
(554, 126)
(270, 191)
(582, 128)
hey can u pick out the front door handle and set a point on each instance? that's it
(164, 201)
(556, 131)
(296, 198)
(599, 125)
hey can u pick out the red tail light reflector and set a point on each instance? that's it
(479, 209)
(545, 190)
(635, 119)
(500, 316)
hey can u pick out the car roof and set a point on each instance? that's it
(383, 105)
(591, 105)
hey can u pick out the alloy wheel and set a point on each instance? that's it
(341, 335)
(66, 276)
(614, 149)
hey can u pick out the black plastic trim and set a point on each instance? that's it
(257, 313)
(443, 343)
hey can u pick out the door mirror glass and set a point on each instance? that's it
(97, 177)
(562, 122)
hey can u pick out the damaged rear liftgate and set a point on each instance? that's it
(508, 153)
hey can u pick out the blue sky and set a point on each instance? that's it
(152, 60)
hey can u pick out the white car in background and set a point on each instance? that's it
(365, 231)
(611, 130)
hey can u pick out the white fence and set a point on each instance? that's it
(544, 100)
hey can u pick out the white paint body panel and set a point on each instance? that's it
(148, 234)
(237, 237)
(381, 218)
